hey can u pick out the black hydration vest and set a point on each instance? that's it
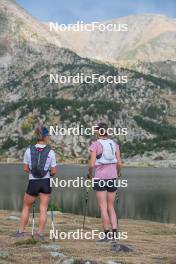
(38, 160)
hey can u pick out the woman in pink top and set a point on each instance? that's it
(104, 168)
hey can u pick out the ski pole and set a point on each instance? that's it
(52, 219)
(117, 201)
(33, 219)
(86, 204)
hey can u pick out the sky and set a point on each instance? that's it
(71, 11)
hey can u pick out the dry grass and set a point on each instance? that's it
(152, 242)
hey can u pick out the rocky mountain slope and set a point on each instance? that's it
(146, 40)
(145, 104)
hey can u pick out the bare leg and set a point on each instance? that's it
(111, 211)
(102, 203)
(27, 204)
(44, 200)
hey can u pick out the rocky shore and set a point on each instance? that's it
(155, 160)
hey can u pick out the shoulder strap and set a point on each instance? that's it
(43, 157)
(100, 155)
(34, 154)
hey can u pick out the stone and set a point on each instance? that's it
(51, 246)
(4, 254)
(68, 261)
(55, 254)
(113, 262)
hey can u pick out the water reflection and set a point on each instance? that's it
(150, 193)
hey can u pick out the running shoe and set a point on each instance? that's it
(103, 241)
(40, 237)
(18, 234)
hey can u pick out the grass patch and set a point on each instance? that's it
(30, 241)
(54, 207)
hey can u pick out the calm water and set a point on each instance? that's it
(151, 193)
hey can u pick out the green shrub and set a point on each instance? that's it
(8, 143)
(22, 143)
(53, 207)
(164, 131)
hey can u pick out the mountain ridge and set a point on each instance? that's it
(143, 29)
(145, 41)
(143, 105)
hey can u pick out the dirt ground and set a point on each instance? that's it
(152, 242)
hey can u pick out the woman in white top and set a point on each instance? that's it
(40, 164)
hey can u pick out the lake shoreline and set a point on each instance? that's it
(153, 164)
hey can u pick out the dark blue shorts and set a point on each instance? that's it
(109, 185)
(38, 186)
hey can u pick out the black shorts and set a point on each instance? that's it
(38, 186)
(109, 185)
